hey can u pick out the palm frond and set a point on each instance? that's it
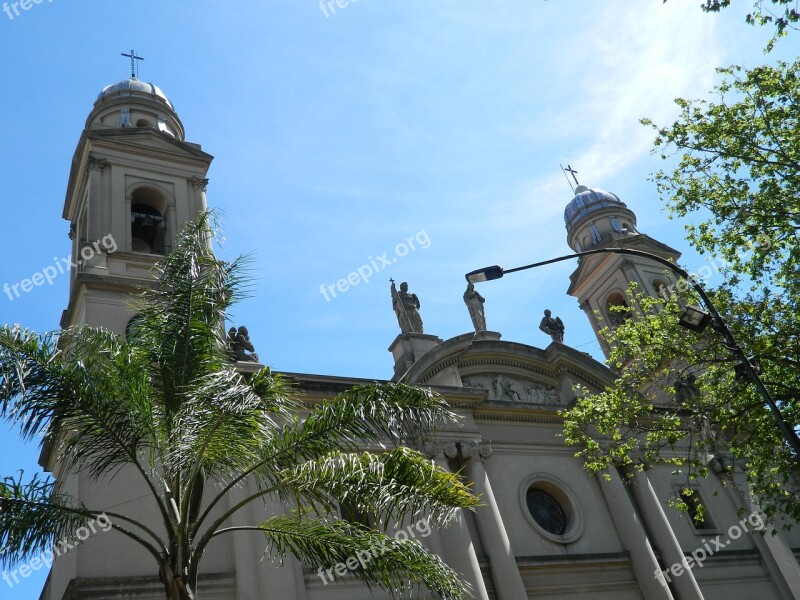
(32, 379)
(181, 321)
(32, 516)
(361, 416)
(390, 414)
(390, 486)
(84, 384)
(223, 419)
(395, 564)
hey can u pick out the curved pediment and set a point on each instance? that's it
(509, 373)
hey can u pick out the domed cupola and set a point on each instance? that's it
(132, 85)
(135, 103)
(594, 218)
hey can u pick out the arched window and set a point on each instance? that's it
(148, 224)
(617, 309)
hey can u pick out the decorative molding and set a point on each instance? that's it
(438, 367)
(199, 183)
(518, 418)
(494, 362)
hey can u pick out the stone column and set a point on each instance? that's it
(778, 557)
(587, 308)
(245, 553)
(256, 579)
(634, 538)
(456, 542)
(94, 203)
(199, 184)
(682, 580)
(507, 580)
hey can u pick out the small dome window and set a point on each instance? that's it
(143, 123)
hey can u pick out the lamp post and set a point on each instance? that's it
(693, 318)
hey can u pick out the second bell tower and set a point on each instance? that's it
(596, 219)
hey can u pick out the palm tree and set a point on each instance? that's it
(170, 405)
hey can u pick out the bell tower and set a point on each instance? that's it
(134, 181)
(595, 219)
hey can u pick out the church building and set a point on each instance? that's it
(545, 530)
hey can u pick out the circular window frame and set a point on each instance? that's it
(565, 498)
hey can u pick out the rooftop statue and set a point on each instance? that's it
(406, 307)
(552, 327)
(474, 302)
(242, 348)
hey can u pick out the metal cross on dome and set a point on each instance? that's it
(134, 64)
(572, 172)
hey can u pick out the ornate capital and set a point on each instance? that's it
(199, 183)
(470, 449)
(96, 164)
(628, 265)
(441, 449)
(475, 450)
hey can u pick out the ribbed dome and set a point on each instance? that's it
(587, 201)
(130, 86)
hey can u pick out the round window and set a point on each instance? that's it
(551, 508)
(546, 511)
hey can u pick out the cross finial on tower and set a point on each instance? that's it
(134, 64)
(572, 172)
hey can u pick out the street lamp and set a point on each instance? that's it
(694, 318)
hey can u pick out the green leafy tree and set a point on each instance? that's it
(736, 173)
(738, 170)
(679, 400)
(782, 14)
(169, 406)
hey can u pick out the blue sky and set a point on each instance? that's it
(337, 138)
